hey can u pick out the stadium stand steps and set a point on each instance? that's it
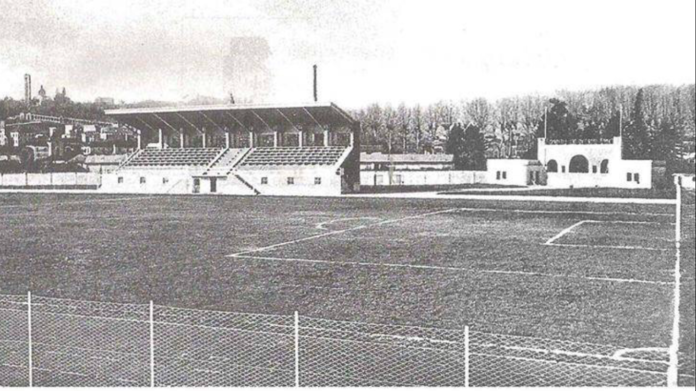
(293, 156)
(226, 162)
(173, 157)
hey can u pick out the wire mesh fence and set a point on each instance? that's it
(81, 343)
(14, 341)
(334, 353)
(509, 361)
(210, 348)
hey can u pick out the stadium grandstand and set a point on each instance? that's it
(310, 149)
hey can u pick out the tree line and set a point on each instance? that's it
(657, 122)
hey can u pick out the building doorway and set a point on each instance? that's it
(213, 185)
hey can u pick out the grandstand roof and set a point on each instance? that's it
(233, 116)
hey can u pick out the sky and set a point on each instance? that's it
(389, 51)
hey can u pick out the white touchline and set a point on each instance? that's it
(96, 201)
(447, 268)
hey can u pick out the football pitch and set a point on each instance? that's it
(580, 272)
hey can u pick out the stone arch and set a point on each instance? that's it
(579, 164)
(552, 166)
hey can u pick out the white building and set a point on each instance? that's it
(515, 172)
(592, 163)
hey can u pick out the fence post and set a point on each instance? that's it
(466, 356)
(152, 345)
(297, 349)
(31, 363)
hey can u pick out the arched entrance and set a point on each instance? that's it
(579, 164)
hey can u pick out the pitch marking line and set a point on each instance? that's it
(100, 200)
(566, 231)
(447, 268)
(331, 233)
(323, 224)
(384, 222)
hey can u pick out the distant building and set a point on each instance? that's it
(105, 101)
(592, 163)
(381, 162)
(3, 136)
(42, 93)
(104, 164)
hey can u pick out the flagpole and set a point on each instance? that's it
(621, 121)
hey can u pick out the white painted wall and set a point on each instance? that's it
(514, 172)
(618, 176)
(421, 178)
(156, 182)
(50, 179)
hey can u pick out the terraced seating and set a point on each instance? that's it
(293, 156)
(174, 157)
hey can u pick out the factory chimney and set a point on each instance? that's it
(27, 89)
(316, 97)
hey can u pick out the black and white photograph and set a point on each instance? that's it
(347, 193)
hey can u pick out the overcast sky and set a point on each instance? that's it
(387, 51)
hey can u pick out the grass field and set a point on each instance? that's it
(595, 273)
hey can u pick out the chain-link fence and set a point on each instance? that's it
(57, 342)
(14, 341)
(334, 353)
(510, 361)
(81, 343)
(210, 348)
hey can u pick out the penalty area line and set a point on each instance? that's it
(447, 268)
(338, 232)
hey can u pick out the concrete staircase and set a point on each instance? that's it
(225, 163)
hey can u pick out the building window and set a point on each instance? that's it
(317, 181)
(552, 166)
(594, 169)
(604, 167)
(120, 179)
(504, 174)
(636, 177)
(497, 175)
(142, 180)
(264, 180)
(629, 177)
(563, 169)
(165, 180)
(291, 180)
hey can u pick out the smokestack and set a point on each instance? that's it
(27, 89)
(316, 97)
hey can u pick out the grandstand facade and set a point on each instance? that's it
(310, 149)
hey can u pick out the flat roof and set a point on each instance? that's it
(414, 158)
(234, 116)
